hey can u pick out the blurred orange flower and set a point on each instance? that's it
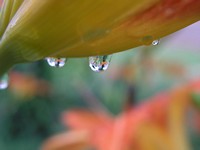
(157, 124)
(25, 86)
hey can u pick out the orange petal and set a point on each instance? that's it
(73, 140)
(83, 119)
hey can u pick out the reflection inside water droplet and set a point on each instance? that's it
(99, 63)
(156, 42)
(56, 62)
(3, 82)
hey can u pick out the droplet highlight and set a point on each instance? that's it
(99, 63)
(156, 42)
(56, 62)
(4, 81)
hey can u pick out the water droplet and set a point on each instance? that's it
(156, 42)
(99, 63)
(56, 62)
(3, 82)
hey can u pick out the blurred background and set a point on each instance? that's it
(39, 101)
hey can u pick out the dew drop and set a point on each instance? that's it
(3, 82)
(156, 42)
(56, 62)
(99, 63)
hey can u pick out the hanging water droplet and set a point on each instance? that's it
(99, 63)
(56, 62)
(3, 82)
(155, 42)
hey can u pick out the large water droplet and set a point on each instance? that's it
(99, 63)
(3, 82)
(56, 62)
(156, 42)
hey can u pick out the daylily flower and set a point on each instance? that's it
(158, 123)
(31, 30)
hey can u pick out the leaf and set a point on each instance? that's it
(84, 28)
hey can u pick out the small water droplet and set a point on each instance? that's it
(99, 63)
(156, 42)
(3, 82)
(56, 62)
